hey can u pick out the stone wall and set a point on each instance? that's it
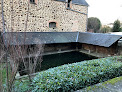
(40, 14)
(112, 50)
(59, 47)
(120, 47)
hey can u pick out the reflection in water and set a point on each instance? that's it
(50, 61)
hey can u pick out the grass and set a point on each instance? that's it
(3, 72)
(3, 76)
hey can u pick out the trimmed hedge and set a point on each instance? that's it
(77, 75)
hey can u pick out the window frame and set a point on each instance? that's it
(32, 1)
(68, 3)
(53, 26)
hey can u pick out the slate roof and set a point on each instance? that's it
(100, 39)
(39, 37)
(77, 2)
(105, 40)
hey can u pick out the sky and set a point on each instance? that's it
(106, 10)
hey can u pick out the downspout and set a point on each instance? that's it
(77, 37)
(77, 41)
(87, 20)
(72, 9)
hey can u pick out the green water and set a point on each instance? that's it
(54, 60)
(50, 61)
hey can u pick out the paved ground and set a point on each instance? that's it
(113, 85)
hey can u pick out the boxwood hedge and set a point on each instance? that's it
(77, 75)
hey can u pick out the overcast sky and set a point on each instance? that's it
(106, 10)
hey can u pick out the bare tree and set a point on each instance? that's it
(13, 55)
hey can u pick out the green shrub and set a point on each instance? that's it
(77, 75)
(22, 86)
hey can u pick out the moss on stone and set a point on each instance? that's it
(88, 88)
(92, 88)
(113, 81)
(102, 85)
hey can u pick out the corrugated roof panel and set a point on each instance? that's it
(99, 39)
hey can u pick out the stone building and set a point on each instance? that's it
(44, 15)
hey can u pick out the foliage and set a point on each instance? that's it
(22, 86)
(105, 29)
(121, 29)
(77, 75)
(116, 26)
(94, 24)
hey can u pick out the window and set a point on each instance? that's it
(32, 1)
(68, 3)
(52, 25)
